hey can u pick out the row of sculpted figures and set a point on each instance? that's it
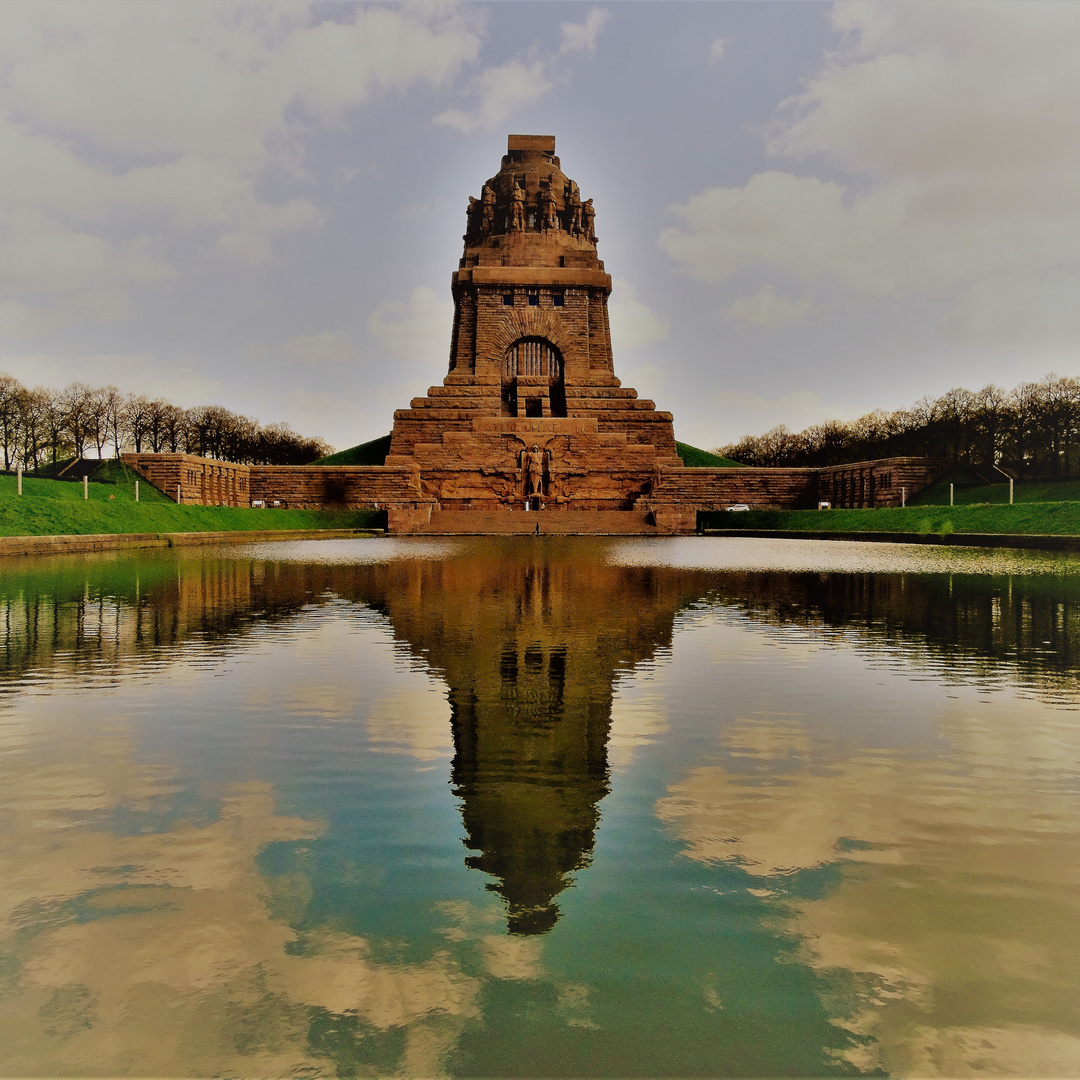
(577, 218)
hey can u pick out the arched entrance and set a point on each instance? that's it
(532, 382)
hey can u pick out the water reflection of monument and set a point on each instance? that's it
(530, 648)
(529, 638)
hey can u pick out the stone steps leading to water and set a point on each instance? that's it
(540, 522)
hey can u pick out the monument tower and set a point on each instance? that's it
(531, 413)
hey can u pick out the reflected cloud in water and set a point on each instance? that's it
(716, 818)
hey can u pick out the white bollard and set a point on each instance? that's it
(950, 494)
(85, 488)
(136, 490)
(177, 494)
(903, 496)
(18, 480)
(1010, 491)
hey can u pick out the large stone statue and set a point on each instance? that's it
(548, 218)
(472, 219)
(573, 209)
(517, 208)
(588, 216)
(534, 471)
(487, 212)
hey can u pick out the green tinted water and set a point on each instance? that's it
(541, 808)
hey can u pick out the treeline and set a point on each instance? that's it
(40, 426)
(1032, 430)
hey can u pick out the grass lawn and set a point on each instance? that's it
(694, 458)
(56, 508)
(369, 453)
(1056, 518)
(1046, 491)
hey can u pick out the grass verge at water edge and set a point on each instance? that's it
(1042, 518)
(57, 508)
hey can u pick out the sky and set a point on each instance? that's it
(809, 210)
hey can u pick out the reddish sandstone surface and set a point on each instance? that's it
(531, 416)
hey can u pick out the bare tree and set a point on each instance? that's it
(10, 390)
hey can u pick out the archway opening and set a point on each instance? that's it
(532, 381)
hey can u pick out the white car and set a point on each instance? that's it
(739, 506)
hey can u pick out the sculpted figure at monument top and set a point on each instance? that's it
(588, 216)
(487, 214)
(517, 208)
(547, 208)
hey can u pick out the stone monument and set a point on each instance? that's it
(531, 413)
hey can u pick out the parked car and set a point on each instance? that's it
(738, 506)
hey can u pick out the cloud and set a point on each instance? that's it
(418, 330)
(737, 411)
(120, 122)
(632, 322)
(717, 48)
(135, 373)
(501, 91)
(1021, 309)
(955, 125)
(328, 347)
(768, 308)
(581, 37)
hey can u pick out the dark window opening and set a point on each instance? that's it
(557, 299)
(534, 300)
(514, 155)
(508, 299)
(534, 406)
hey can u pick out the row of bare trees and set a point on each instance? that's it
(40, 426)
(1032, 430)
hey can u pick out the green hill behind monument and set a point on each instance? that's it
(375, 451)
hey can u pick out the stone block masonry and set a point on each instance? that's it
(531, 414)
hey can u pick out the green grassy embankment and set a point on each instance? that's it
(56, 508)
(693, 458)
(368, 453)
(1061, 518)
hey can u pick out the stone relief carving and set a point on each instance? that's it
(534, 471)
(573, 209)
(588, 217)
(472, 218)
(487, 212)
(517, 209)
(548, 217)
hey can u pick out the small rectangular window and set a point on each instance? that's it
(534, 406)
(534, 300)
(508, 299)
(557, 299)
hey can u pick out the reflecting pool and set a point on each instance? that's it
(541, 807)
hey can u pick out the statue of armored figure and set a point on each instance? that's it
(517, 208)
(534, 471)
(588, 216)
(487, 211)
(573, 209)
(548, 217)
(472, 219)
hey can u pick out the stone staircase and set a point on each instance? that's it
(540, 523)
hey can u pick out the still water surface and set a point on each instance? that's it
(541, 808)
